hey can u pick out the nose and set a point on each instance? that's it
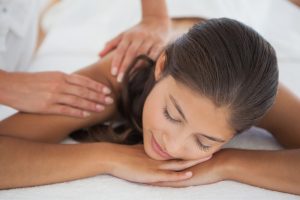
(173, 145)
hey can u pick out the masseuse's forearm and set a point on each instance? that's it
(274, 170)
(157, 8)
(25, 163)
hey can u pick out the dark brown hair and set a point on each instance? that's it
(221, 59)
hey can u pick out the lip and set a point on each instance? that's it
(158, 149)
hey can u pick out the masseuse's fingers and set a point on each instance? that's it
(130, 54)
(172, 176)
(145, 48)
(119, 56)
(155, 51)
(88, 83)
(68, 111)
(80, 103)
(87, 94)
(181, 165)
(109, 46)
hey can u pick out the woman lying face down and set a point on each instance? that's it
(213, 82)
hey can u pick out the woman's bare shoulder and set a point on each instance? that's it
(282, 120)
(100, 71)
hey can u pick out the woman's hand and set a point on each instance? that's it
(211, 171)
(148, 37)
(133, 164)
(53, 93)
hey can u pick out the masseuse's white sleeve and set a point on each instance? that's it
(18, 32)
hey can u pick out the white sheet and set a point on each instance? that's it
(78, 29)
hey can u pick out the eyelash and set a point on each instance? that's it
(168, 117)
(202, 147)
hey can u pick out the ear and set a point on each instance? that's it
(160, 64)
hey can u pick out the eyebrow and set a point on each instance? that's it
(178, 108)
(212, 138)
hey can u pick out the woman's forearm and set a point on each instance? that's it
(274, 170)
(25, 163)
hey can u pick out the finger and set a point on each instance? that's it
(155, 51)
(112, 44)
(176, 184)
(181, 165)
(68, 111)
(88, 94)
(80, 103)
(129, 56)
(119, 56)
(87, 82)
(145, 48)
(173, 176)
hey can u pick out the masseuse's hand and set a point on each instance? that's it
(55, 93)
(148, 37)
(211, 171)
(133, 164)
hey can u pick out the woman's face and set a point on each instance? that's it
(179, 123)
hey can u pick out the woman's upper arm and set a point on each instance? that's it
(283, 120)
(54, 128)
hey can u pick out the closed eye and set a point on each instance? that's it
(201, 146)
(168, 116)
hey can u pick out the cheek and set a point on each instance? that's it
(152, 117)
(153, 122)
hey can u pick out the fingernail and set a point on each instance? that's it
(120, 77)
(86, 114)
(108, 100)
(188, 173)
(99, 107)
(106, 90)
(114, 71)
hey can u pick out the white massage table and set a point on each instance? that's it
(78, 29)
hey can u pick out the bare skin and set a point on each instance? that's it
(32, 153)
